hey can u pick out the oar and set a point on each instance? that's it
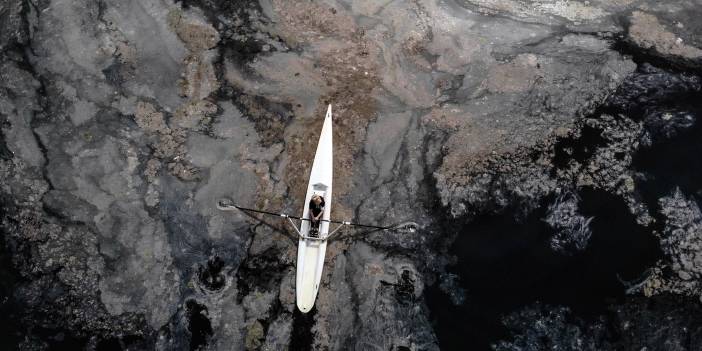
(223, 206)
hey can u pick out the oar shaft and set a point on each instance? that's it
(266, 212)
(307, 219)
(361, 225)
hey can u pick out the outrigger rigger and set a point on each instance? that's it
(313, 244)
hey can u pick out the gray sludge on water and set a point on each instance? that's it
(541, 157)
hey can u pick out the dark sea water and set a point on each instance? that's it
(8, 306)
(505, 264)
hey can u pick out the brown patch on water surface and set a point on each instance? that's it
(349, 73)
(351, 117)
(305, 22)
(269, 125)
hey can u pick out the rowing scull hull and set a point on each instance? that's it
(310, 253)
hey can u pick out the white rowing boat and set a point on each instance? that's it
(311, 251)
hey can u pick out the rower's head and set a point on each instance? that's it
(317, 199)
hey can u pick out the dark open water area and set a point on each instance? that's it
(191, 100)
(505, 262)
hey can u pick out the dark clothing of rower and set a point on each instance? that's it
(316, 210)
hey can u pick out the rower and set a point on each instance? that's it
(316, 210)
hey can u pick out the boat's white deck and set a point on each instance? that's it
(310, 253)
(310, 260)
